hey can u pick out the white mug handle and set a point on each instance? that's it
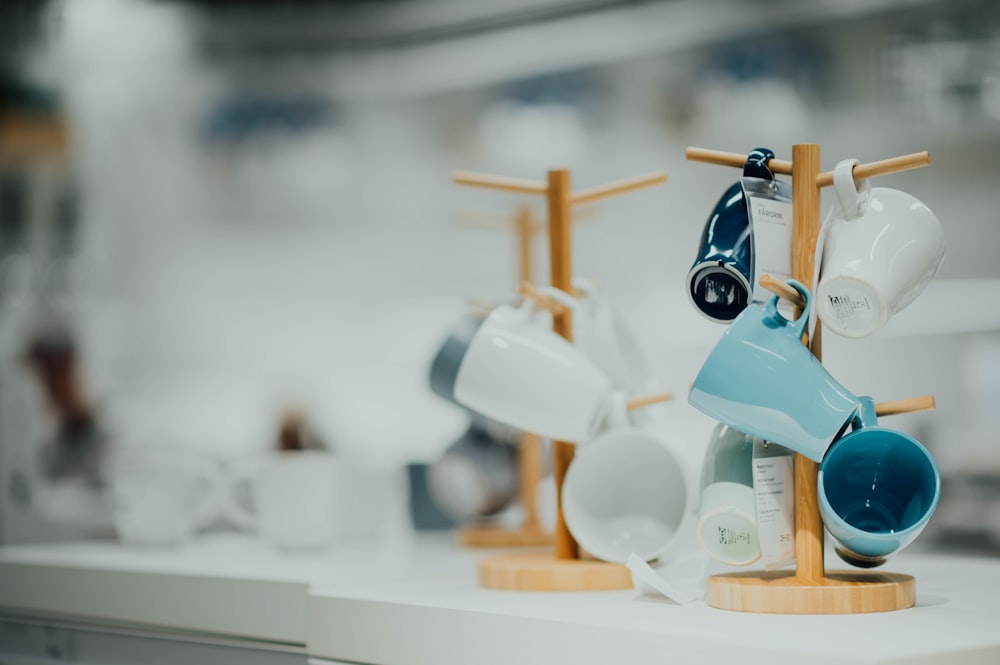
(240, 516)
(208, 508)
(561, 297)
(850, 194)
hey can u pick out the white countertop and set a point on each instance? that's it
(418, 603)
(226, 584)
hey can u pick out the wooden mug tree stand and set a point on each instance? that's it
(810, 589)
(530, 454)
(561, 569)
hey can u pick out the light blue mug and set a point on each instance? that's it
(760, 379)
(877, 490)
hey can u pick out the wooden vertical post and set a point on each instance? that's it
(805, 231)
(525, 245)
(560, 259)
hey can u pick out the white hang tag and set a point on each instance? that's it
(648, 582)
(774, 486)
(769, 203)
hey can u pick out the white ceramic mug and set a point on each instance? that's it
(605, 338)
(526, 376)
(727, 522)
(881, 248)
(161, 496)
(625, 492)
(296, 497)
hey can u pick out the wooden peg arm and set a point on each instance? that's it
(639, 402)
(499, 182)
(892, 165)
(905, 405)
(616, 188)
(540, 301)
(734, 159)
(779, 288)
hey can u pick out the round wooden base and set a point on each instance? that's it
(542, 571)
(492, 536)
(840, 592)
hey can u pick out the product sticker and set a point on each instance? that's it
(769, 203)
(774, 486)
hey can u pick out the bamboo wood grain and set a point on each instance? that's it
(647, 400)
(560, 264)
(905, 405)
(777, 287)
(784, 592)
(619, 187)
(531, 468)
(526, 229)
(524, 571)
(805, 231)
(490, 536)
(734, 159)
(499, 182)
(882, 167)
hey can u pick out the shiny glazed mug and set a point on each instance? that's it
(719, 284)
(877, 490)
(526, 376)
(447, 360)
(760, 379)
(881, 249)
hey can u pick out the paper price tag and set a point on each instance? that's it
(769, 203)
(774, 486)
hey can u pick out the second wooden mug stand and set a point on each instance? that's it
(810, 588)
(561, 569)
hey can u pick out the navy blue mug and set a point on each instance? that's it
(719, 283)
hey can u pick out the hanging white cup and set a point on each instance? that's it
(521, 373)
(881, 249)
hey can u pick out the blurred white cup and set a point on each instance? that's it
(161, 496)
(295, 497)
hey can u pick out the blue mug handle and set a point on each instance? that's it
(797, 327)
(756, 164)
(866, 416)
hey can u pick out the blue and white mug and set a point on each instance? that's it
(877, 490)
(760, 379)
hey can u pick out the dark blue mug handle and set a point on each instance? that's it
(756, 164)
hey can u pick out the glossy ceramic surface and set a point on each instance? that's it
(881, 249)
(719, 283)
(526, 376)
(760, 379)
(877, 490)
(444, 367)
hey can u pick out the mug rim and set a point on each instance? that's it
(900, 533)
(607, 439)
(700, 268)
